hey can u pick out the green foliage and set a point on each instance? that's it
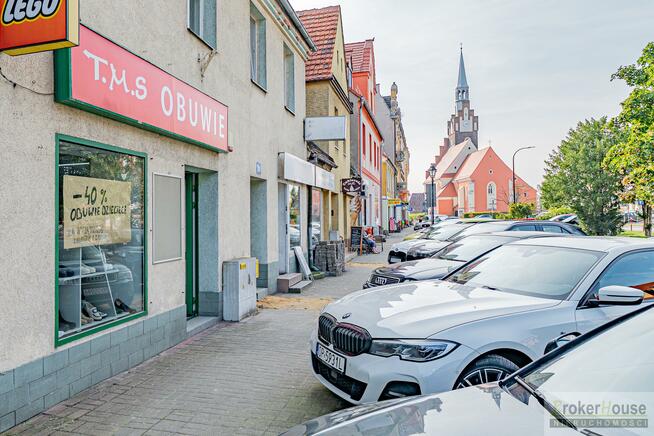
(575, 178)
(555, 211)
(633, 157)
(521, 210)
(476, 214)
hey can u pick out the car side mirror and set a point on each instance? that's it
(560, 341)
(619, 296)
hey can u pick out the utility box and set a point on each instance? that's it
(239, 288)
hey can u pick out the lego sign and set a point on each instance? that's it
(102, 77)
(30, 26)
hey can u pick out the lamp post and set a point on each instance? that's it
(513, 169)
(432, 175)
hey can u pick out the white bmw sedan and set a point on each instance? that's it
(480, 324)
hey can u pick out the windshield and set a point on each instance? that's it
(445, 232)
(539, 271)
(468, 248)
(483, 228)
(613, 367)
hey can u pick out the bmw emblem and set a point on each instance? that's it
(347, 315)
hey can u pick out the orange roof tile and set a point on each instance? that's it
(322, 25)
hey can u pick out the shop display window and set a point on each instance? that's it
(294, 215)
(101, 240)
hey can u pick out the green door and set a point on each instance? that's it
(192, 291)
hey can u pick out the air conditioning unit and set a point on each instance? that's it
(239, 288)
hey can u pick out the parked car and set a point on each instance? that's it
(441, 234)
(433, 336)
(429, 248)
(446, 260)
(609, 363)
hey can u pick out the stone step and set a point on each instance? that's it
(298, 287)
(285, 281)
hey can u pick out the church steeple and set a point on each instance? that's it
(463, 123)
(462, 92)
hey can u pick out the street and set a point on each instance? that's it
(245, 378)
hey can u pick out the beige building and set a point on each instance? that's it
(327, 85)
(169, 143)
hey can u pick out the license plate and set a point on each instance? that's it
(330, 358)
(395, 259)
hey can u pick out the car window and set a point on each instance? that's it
(478, 228)
(635, 270)
(547, 272)
(549, 228)
(443, 233)
(473, 246)
(524, 228)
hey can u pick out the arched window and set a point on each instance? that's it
(491, 196)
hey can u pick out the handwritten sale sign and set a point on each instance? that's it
(102, 77)
(96, 211)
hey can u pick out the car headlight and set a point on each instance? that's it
(411, 349)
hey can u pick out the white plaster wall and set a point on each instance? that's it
(259, 126)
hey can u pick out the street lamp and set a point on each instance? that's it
(513, 170)
(432, 174)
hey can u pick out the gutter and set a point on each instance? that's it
(298, 24)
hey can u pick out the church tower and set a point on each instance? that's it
(463, 123)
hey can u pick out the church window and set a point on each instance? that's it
(491, 196)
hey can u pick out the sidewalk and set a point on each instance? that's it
(250, 378)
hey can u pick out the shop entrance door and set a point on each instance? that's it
(192, 288)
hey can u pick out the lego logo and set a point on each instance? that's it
(16, 11)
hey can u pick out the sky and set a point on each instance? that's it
(535, 67)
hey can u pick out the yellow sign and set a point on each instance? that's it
(96, 212)
(30, 26)
(394, 201)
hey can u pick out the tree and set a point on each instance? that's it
(521, 210)
(574, 177)
(633, 156)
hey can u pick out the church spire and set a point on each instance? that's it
(462, 91)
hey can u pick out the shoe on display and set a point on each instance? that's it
(91, 311)
(85, 269)
(85, 319)
(122, 306)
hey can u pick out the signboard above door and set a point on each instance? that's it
(325, 128)
(31, 26)
(102, 77)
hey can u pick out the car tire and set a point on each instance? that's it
(488, 369)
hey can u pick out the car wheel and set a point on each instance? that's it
(488, 369)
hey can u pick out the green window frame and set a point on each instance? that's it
(60, 138)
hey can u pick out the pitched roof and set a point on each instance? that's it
(463, 81)
(322, 25)
(447, 191)
(359, 54)
(387, 100)
(451, 155)
(471, 164)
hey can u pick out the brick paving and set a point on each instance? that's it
(250, 378)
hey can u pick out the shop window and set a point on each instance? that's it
(100, 238)
(289, 79)
(202, 20)
(315, 220)
(295, 227)
(257, 47)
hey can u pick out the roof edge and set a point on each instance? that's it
(298, 23)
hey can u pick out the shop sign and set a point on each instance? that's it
(104, 78)
(325, 128)
(96, 211)
(394, 201)
(296, 170)
(325, 179)
(351, 185)
(31, 26)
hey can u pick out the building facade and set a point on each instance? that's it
(366, 162)
(159, 164)
(469, 179)
(327, 96)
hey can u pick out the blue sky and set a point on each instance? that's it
(535, 67)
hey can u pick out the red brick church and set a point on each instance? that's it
(469, 179)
